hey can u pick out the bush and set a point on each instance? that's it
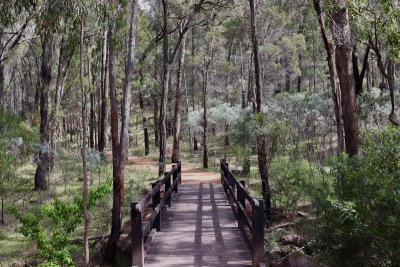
(292, 181)
(360, 218)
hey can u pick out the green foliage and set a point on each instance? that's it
(360, 218)
(292, 181)
(64, 218)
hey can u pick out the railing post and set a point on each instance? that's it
(137, 236)
(156, 200)
(179, 174)
(242, 200)
(174, 177)
(167, 187)
(258, 234)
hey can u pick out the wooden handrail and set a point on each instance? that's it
(140, 230)
(237, 195)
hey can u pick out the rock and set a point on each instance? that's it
(276, 253)
(296, 259)
(292, 239)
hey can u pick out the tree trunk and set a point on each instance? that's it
(46, 154)
(332, 78)
(178, 104)
(92, 121)
(1, 73)
(144, 120)
(205, 122)
(261, 140)
(84, 148)
(120, 149)
(59, 91)
(345, 71)
(156, 123)
(164, 94)
(104, 96)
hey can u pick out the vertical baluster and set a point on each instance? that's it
(137, 236)
(258, 234)
(156, 201)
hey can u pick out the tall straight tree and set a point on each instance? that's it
(84, 149)
(262, 138)
(178, 104)
(168, 60)
(46, 154)
(120, 148)
(332, 78)
(104, 96)
(344, 65)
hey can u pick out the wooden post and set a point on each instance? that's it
(174, 177)
(137, 236)
(258, 234)
(156, 201)
(242, 200)
(179, 173)
(167, 187)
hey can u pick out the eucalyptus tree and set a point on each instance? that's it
(377, 24)
(168, 59)
(340, 26)
(119, 147)
(261, 139)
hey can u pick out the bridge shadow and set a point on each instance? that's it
(199, 230)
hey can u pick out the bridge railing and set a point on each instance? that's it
(140, 230)
(254, 220)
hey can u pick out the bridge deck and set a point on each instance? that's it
(199, 230)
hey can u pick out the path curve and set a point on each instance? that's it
(190, 174)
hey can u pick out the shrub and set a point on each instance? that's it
(360, 218)
(292, 181)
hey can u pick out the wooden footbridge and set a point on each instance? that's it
(198, 224)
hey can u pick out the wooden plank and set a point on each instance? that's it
(199, 230)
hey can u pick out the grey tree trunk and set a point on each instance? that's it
(104, 96)
(1, 73)
(178, 104)
(46, 154)
(262, 138)
(332, 78)
(84, 149)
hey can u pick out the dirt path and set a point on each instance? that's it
(189, 174)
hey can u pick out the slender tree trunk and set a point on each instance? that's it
(46, 154)
(262, 138)
(144, 120)
(332, 78)
(104, 96)
(164, 95)
(92, 121)
(1, 74)
(120, 149)
(84, 149)
(156, 123)
(345, 71)
(178, 104)
(59, 91)
(205, 122)
(193, 84)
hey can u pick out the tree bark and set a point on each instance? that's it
(120, 148)
(178, 104)
(344, 66)
(332, 78)
(46, 154)
(104, 96)
(59, 91)
(205, 121)
(144, 120)
(1, 73)
(262, 138)
(84, 149)
(156, 123)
